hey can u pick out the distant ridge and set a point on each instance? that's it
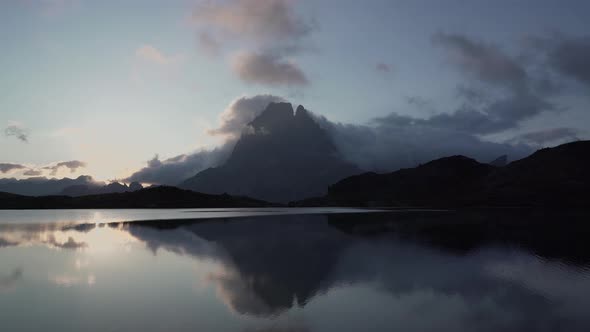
(42, 186)
(97, 189)
(154, 197)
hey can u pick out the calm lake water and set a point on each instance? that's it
(285, 270)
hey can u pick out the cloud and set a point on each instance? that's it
(497, 116)
(501, 95)
(234, 120)
(484, 62)
(72, 165)
(513, 89)
(173, 171)
(33, 172)
(8, 167)
(383, 68)
(240, 113)
(548, 136)
(152, 54)
(568, 56)
(268, 69)
(572, 58)
(259, 34)
(17, 131)
(208, 44)
(396, 141)
(264, 21)
(384, 144)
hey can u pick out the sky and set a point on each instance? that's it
(101, 87)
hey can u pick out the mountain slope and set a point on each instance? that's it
(557, 176)
(442, 180)
(281, 156)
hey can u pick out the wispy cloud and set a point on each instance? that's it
(208, 44)
(268, 69)
(383, 68)
(540, 137)
(152, 54)
(8, 167)
(17, 130)
(565, 55)
(72, 165)
(33, 172)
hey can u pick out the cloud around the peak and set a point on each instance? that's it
(240, 112)
(500, 93)
(233, 121)
(382, 144)
(174, 170)
(395, 141)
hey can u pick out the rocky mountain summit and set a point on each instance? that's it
(282, 155)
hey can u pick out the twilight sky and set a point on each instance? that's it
(100, 87)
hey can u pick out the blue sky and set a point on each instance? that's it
(111, 83)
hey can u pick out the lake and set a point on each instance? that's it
(292, 270)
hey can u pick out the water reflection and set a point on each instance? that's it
(301, 273)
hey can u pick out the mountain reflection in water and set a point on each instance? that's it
(372, 272)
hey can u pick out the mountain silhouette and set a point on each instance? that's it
(42, 186)
(500, 161)
(558, 176)
(153, 197)
(281, 156)
(97, 189)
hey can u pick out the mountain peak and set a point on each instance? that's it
(274, 115)
(287, 156)
(301, 111)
